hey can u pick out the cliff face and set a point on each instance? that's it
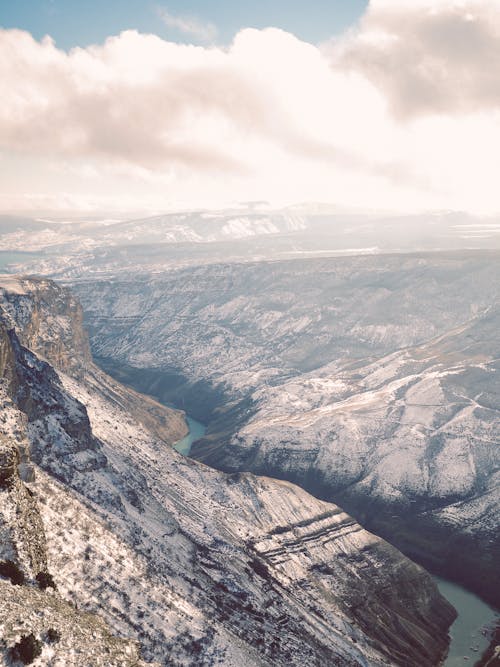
(22, 535)
(49, 322)
(35, 622)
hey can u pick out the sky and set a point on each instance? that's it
(148, 107)
(80, 23)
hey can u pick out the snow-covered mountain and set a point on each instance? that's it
(76, 249)
(193, 565)
(32, 235)
(370, 381)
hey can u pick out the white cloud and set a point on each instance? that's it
(191, 26)
(428, 56)
(400, 113)
(151, 103)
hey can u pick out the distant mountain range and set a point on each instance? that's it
(243, 234)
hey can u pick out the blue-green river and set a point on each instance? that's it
(196, 431)
(475, 617)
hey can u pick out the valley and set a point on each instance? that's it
(371, 382)
(472, 630)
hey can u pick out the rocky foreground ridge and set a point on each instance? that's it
(195, 566)
(37, 624)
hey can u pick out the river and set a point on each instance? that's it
(474, 618)
(470, 633)
(196, 431)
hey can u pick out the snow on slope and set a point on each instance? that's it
(200, 567)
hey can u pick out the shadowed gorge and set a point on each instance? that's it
(371, 382)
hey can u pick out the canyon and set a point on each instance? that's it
(370, 381)
(143, 549)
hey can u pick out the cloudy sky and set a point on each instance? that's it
(130, 105)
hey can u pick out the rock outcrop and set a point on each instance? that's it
(61, 635)
(48, 321)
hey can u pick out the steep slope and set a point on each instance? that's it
(36, 623)
(201, 567)
(372, 382)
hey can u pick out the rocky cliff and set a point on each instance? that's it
(198, 566)
(37, 626)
